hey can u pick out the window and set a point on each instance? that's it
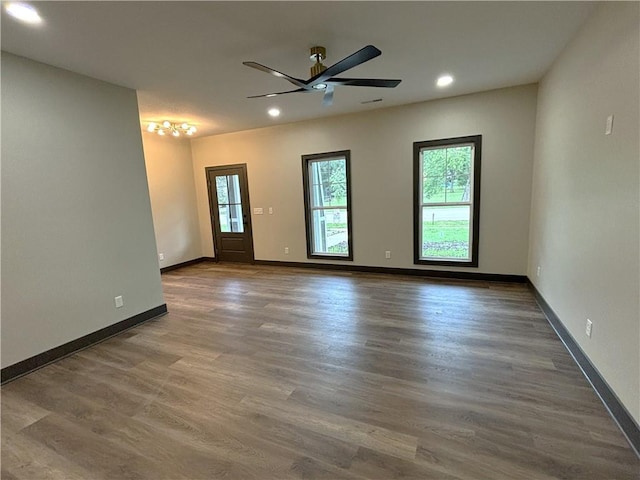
(327, 201)
(447, 201)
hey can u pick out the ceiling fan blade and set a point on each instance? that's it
(363, 82)
(327, 100)
(280, 93)
(296, 81)
(363, 55)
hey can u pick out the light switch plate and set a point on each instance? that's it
(258, 211)
(608, 129)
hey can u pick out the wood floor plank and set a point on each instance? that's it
(18, 412)
(305, 443)
(342, 428)
(375, 464)
(89, 450)
(280, 373)
(26, 458)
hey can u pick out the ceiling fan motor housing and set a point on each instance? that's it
(317, 54)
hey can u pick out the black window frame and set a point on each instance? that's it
(476, 140)
(306, 160)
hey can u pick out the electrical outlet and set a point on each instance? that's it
(118, 301)
(387, 254)
(270, 210)
(589, 328)
(286, 250)
(538, 271)
(161, 256)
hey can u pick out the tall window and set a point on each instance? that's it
(327, 200)
(447, 201)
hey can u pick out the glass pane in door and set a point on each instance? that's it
(234, 188)
(225, 224)
(235, 214)
(222, 190)
(229, 203)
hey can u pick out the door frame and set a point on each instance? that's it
(212, 216)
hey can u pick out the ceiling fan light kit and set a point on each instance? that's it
(323, 78)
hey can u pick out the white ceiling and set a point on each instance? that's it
(185, 58)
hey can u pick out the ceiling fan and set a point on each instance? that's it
(324, 79)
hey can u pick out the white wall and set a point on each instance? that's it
(585, 207)
(381, 143)
(173, 198)
(76, 219)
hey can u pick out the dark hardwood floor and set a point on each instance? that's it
(278, 373)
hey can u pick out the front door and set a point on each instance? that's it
(230, 213)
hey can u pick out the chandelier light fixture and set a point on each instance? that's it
(170, 128)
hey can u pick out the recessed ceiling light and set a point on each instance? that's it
(23, 12)
(320, 86)
(444, 80)
(274, 112)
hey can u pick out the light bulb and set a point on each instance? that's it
(160, 132)
(444, 80)
(175, 133)
(166, 124)
(185, 126)
(193, 129)
(24, 12)
(189, 132)
(152, 126)
(274, 112)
